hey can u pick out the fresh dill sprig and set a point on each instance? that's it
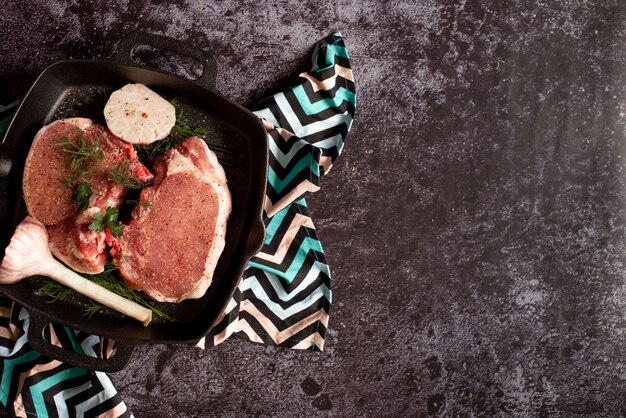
(79, 155)
(93, 308)
(181, 129)
(110, 282)
(179, 133)
(125, 178)
(106, 279)
(55, 291)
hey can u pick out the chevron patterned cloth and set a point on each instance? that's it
(284, 296)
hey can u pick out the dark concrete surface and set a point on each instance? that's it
(475, 224)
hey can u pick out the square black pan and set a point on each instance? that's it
(66, 89)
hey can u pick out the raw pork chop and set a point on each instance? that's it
(170, 248)
(49, 199)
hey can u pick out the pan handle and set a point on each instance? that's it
(120, 358)
(124, 54)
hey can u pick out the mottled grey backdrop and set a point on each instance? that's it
(475, 224)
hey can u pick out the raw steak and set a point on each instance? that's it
(170, 248)
(49, 199)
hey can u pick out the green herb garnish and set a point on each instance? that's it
(112, 283)
(179, 133)
(109, 220)
(181, 129)
(125, 178)
(54, 290)
(93, 308)
(106, 279)
(82, 194)
(80, 155)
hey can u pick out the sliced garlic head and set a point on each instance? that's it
(138, 115)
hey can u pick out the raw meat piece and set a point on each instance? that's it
(171, 247)
(116, 152)
(76, 245)
(49, 199)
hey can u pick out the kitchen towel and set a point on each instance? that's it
(284, 296)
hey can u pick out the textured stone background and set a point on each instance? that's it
(475, 224)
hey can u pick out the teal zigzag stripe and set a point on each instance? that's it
(7, 373)
(325, 103)
(276, 221)
(331, 52)
(274, 224)
(38, 389)
(75, 345)
(279, 184)
(308, 244)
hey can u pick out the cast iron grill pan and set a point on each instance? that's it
(77, 88)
